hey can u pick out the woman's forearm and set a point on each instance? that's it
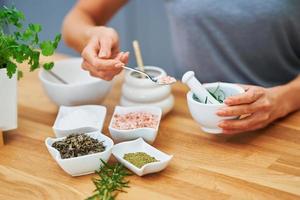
(75, 29)
(292, 95)
(79, 23)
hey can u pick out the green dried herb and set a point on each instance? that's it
(217, 93)
(78, 145)
(110, 182)
(139, 159)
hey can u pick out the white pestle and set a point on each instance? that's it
(197, 88)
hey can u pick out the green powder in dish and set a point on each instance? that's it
(139, 159)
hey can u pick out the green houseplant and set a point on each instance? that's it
(18, 44)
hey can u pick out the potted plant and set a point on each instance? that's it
(18, 44)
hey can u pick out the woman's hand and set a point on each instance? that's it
(259, 105)
(101, 54)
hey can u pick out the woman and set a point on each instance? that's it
(248, 42)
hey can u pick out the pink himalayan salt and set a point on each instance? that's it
(166, 80)
(134, 120)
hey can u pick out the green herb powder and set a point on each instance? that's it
(139, 159)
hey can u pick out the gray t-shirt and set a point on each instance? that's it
(254, 42)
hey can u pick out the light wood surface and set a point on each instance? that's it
(1, 138)
(259, 165)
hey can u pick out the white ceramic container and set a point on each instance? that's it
(141, 91)
(205, 114)
(92, 121)
(83, 164)
(138, 145)
(148, 134)
(81, 88)
(8, 102)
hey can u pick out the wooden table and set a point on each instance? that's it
(259, 165)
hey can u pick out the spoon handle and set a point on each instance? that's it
(138, 71)
(57, 77)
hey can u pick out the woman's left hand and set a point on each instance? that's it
(260, 105)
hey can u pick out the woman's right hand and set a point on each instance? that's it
(101, 56)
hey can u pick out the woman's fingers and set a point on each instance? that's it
(125, 57)
(90, 52)
(238, 123)
(251, 95)
(105, 48)
(236, 110)
(106, 73)
(243, 109)
(99, 61)
(90, 55)
(119, 55)
(254, 121)
(106, 64)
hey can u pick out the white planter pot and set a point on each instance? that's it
(137, 91)
(8, 102)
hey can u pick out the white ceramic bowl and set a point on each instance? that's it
(98, 112)
(148, 134)
(205, 114)
(83, 164)
(138, 145)
(143, 92)
(81, 88)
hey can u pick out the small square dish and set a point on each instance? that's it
(131, 133)
(139, 145)
(81, 165)
(79, 119)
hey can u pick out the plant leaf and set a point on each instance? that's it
(35, 27)
(48, 66)
(57, 40)
(11, 69)
(35, 60)
(47, 48)
(21, 45)
(111, 180)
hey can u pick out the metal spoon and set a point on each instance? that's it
(147, 75)
(57, 77)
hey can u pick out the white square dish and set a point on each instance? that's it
(83, 164)
(93, 121)
(139, 145)
(148, 134)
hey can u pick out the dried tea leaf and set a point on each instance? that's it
(76, 145)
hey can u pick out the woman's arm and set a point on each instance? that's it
(292, 94)
(84, 30)
(262, 105)
(84, 18)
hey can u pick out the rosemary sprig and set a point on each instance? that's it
(217, 93)
(110, 182)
